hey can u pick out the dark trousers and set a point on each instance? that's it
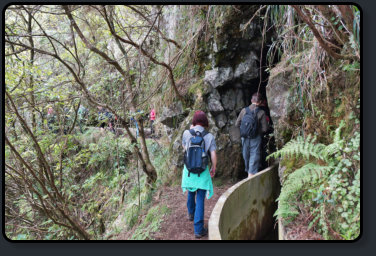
(151, 126)
(196, 208)
(252, 154)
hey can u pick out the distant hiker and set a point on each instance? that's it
(152, 119)
(111, 120)
(101, 118)
(253, 124)
(105, 118)
(199, 146)
(135, 124)
(51, 120)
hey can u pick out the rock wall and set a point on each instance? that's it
(279, 95)
(231, 58)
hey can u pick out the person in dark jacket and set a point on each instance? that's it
(102, 118)
(105, 118)
(152, 120)
(51, 120)
(252, 146)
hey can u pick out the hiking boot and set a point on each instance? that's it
(190, 217)
(203, 234)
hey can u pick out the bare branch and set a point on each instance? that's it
(318, 36)
(152, 26)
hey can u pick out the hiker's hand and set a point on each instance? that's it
(212, 172)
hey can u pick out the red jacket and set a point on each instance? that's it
(152, 114)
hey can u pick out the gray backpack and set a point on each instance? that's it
(249, 124)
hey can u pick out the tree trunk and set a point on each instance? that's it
(149, 168)
(31, 82)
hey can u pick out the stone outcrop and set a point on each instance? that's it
(230, 57)
(173, 115)
(218, 77)
(247, 70)
(214, 103)
(278, 92)
(281, 105)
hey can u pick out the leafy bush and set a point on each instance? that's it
(328, 184)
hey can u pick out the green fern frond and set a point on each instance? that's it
(337, 135)
(300, 147)
(285, 211)
(337, 144)
(308, 174)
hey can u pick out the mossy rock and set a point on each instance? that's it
(281, 100)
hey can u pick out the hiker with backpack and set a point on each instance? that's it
(111, 120)
(199, 148)
(105, 118)
(253, 124)
(101, 118)
(51, 120)
(152, 120)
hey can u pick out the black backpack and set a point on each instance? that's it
(195, 158)
(249, 124)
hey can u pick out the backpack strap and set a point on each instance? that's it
(204, 133)
(256, 110)
(247, 110)
(193, 133)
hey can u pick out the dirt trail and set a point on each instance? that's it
(175, 225)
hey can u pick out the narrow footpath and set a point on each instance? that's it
(175, 225)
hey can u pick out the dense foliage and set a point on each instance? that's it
(62, 64)
(327, 183)
(321, 182)
(65, 178)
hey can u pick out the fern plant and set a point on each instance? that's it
(323, 184)
(308, 173)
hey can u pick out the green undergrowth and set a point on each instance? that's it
(138, 212)
(104, 181)
(320, 157)
(323, 180)
(150, 223)
(321, 177)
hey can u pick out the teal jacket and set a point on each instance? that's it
(193, 182)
